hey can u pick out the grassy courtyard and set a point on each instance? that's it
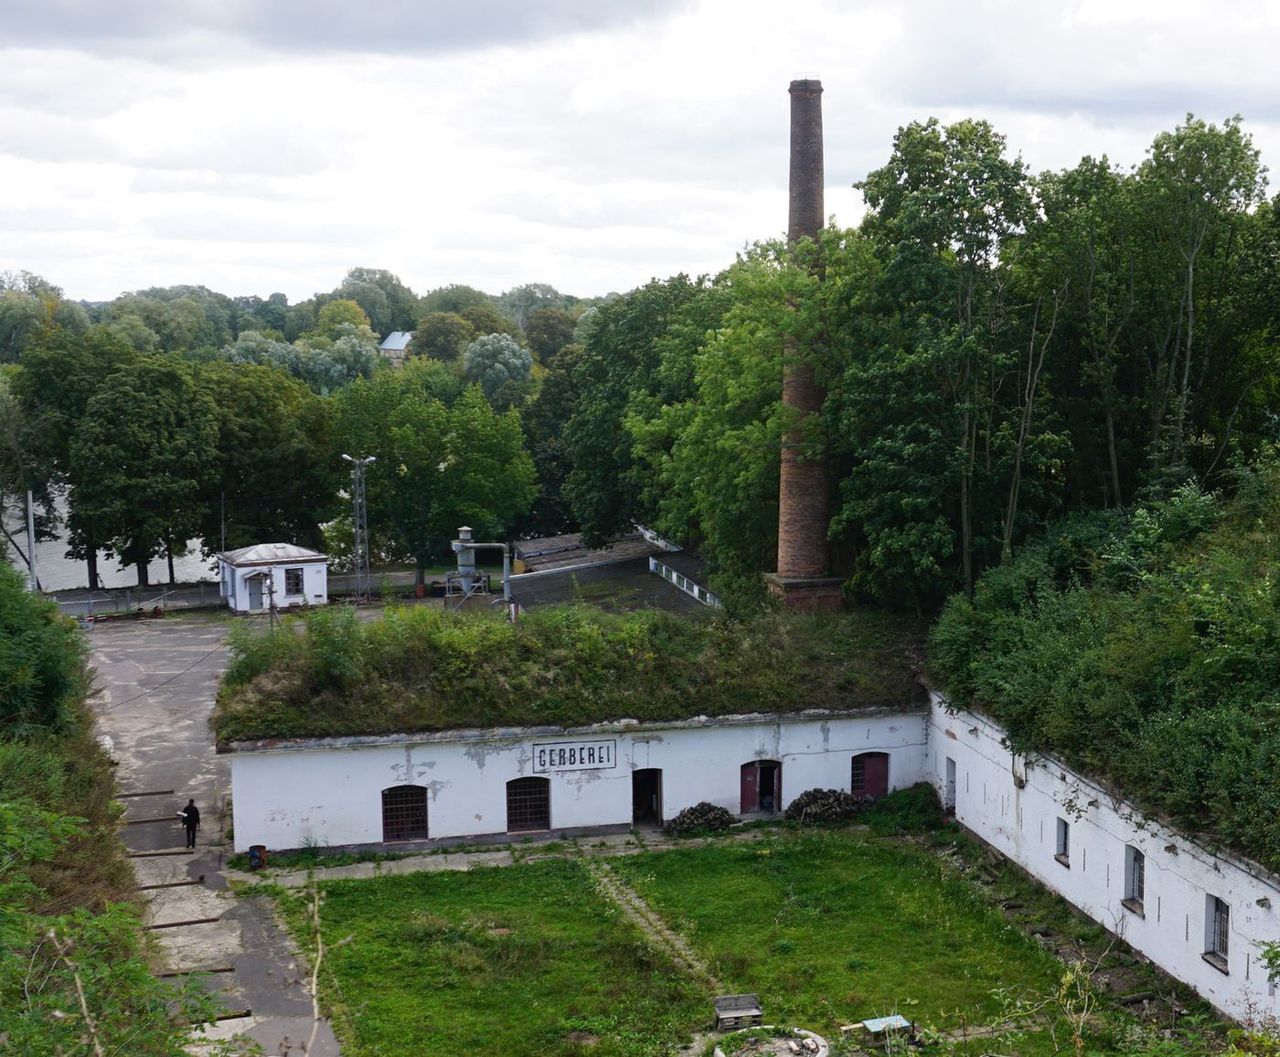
(525, 960)
(828, 926)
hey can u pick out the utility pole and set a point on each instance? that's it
(360, 525)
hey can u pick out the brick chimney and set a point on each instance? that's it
(801, 580)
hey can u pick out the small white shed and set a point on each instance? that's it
(251, 579)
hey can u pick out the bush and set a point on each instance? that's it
(701, 818)
(826, 805)
(916, 809)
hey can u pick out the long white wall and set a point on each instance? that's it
(288, 797)
(1015, 806)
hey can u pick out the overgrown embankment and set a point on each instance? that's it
(422, 670)
(73, 975)
(1145, 650)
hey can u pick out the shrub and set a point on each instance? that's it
(917, 809)
(701, 818)
(826, 805)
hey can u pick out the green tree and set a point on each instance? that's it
(485, 319)
(917, 406)
(59, 375)
(543, 419)
(143, 460)
(442, 336)
(453, 298)
(499, 366)
(548, 330)
(336, 315)
(273, 479)
(437, 466)
(389, 304)
(620, 355)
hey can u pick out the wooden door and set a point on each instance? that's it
(870, 774)
(750, 787)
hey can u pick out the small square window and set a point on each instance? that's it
(293, 581)
(1064, 842)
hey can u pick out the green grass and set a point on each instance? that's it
(828, 926)
(832, 927)
(522, 960)
(422, 669)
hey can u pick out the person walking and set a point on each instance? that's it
(190, 816)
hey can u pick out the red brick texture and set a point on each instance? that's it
(803, 486)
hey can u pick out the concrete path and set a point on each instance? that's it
(157, 680)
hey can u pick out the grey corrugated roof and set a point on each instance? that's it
(270, 554)
(396, 341)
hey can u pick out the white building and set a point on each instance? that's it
(1198, 913)
(395, 346)
(490, 783)
(254, 578)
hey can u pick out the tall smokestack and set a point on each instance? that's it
(801, 580)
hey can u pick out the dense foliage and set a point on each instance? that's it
(174, 415)
(422, 669)
(999, 348)
(1144, 648)
(70, 937)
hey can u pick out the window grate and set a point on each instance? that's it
(528, 805)
(1221, 928)
(293, 581)
(404, 813)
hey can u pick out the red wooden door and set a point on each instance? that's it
(870, 775)
(750, 787)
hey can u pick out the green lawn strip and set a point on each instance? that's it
(832, 927)
(520, 960)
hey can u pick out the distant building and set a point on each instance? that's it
(252, 579)
(395, 346)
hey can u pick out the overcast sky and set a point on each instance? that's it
(268, 145)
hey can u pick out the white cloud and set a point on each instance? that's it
(255, 150)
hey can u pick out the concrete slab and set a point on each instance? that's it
(156, 682)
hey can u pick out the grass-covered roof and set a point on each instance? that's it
(418, 669)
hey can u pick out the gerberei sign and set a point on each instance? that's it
(575, 755)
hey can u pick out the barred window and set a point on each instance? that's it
(293, 581)
(528, 805)
(404, 813)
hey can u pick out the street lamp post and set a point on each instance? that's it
(360, 524)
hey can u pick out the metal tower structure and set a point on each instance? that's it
(360, 525)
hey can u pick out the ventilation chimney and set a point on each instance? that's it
(801, 580)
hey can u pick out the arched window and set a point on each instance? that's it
(404, 813)
(528, 805)
(870, 774)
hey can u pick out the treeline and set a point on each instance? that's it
(999, 349)
(1144, 648)
(177, 414)
(74, 971)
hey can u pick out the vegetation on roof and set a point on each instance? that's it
(1144, 649)
(420, 669)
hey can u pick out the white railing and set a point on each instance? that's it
(683, 583)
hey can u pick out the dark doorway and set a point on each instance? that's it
(761, 786)
(528, 805)
(404, 813)
(870, 774)
(646, 796)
